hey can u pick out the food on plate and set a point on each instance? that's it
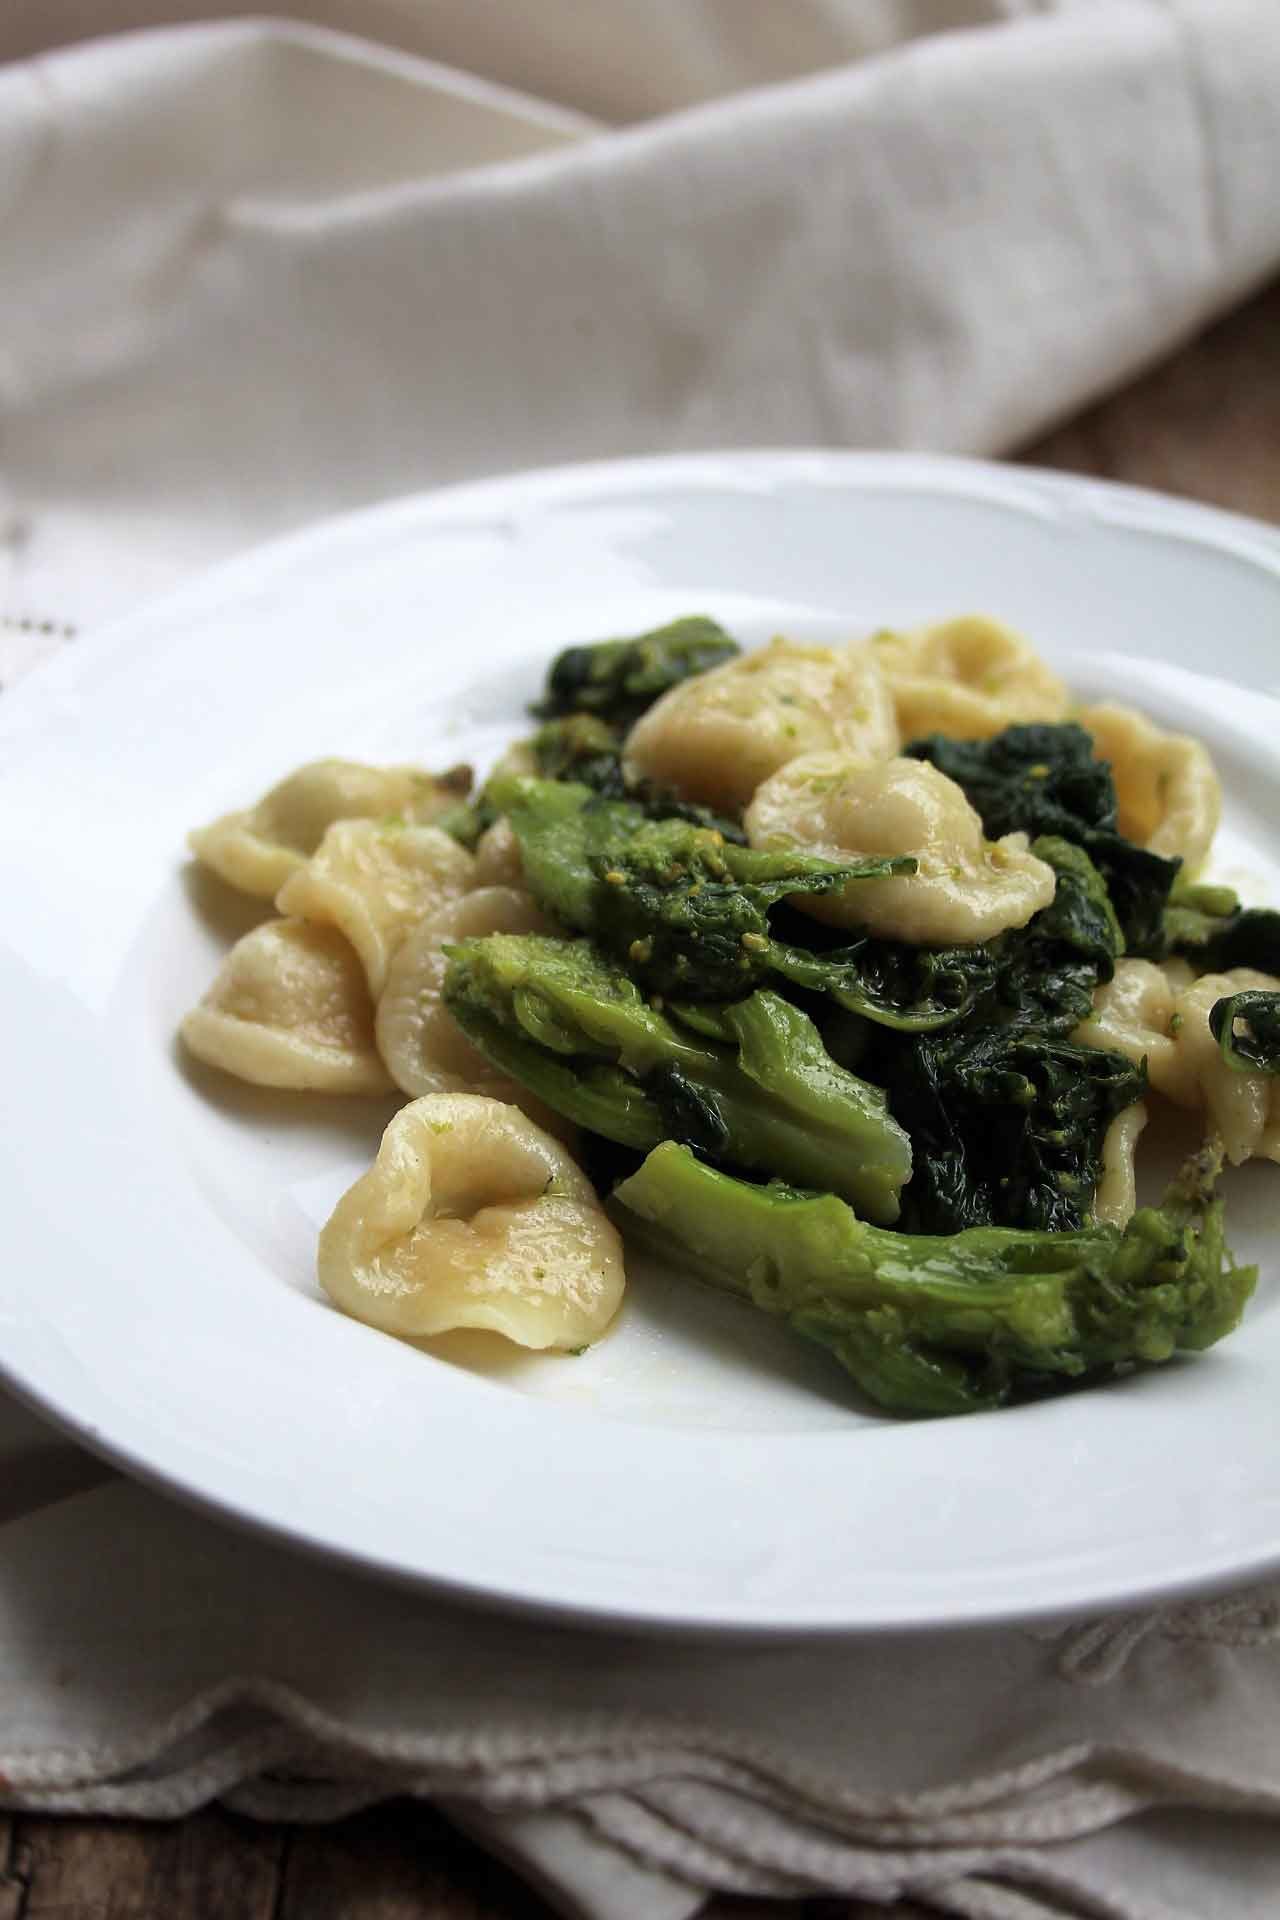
(374, 880)
(1167, 792)
(715, 737)
(967, 678)
(472, 1216)
(1169, 1019)
(952, 1325)
(965, 888)
(258, 848)
(425, 1049)
(856, 976)
(290, 1008)
(556, 1016)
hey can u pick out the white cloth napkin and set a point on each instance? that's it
(255, 272)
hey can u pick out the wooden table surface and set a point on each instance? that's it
(1206, 423)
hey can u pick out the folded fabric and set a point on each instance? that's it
(151, 1660)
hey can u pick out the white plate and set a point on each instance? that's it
(700, 1468)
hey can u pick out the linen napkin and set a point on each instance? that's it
(255, 272)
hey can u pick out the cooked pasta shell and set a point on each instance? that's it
(419, 1039)
(472, 1216)
(966, 888)
(968, 678)
(1167, 789)
(716, 737)
(290, 1008)
(1117, 1190)
(257, 849)
(374, 881)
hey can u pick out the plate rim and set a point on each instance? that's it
(1029, 487)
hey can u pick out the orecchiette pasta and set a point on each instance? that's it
(714, 738)
(1145, 1014)
(968, 678)
(1243, 1108)
(290, 1008)
(498, 862)
(472, 1216)
(1117, 1190)
(257, 850)
(1131, 1015)
(374, 881)
(1166, 788)
(966, 888)
(423, 1046)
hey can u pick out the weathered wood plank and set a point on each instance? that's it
(1205, 423)
(13, 1891)
(207, 1867)
(402, 1861)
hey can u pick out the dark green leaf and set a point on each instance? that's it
(619, 679)
(1247, 1028)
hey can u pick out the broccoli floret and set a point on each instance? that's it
(619, 679)
(556, 1016)
(682, 910)
(950, 1325)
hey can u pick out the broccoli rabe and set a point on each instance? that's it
(1007, 1115)
(1043, 779)
(1207, 926)
(682, 910)
(581, 748)
(911, 989)
(556, 1016)
(619, 679)
(950, 1325)
(1246, 1027)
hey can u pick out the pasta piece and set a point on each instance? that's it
(1166, 787)
(1243, 1109)
(290, 1008)
(968, 678)
(1117, 1190)
(715, 737)
(1132, 1014)
(1146, 1014)
(471, 1216)
(258, 849)
(498, 862)
(966, 889)
(420, 1041)
(374, 882)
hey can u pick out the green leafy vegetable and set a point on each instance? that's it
(619, 679)
(684, 911)
(1006, 1115)
(912, 989)
(581, 748)
(1208, 926)
(555, 1015)
(952, 1325)
(1247, 1028)
(1043, 779)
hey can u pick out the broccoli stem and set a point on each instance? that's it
(929, 1324)
(557, 1017)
